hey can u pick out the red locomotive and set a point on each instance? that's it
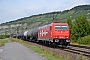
(55, 33)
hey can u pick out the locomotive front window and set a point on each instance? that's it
(58, 28)
(61, 28)
(64, 28)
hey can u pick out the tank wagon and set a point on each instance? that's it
(32, 35)
(25, 35)
(18, 36)
(21, 35)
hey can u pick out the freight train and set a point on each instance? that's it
(52, 34)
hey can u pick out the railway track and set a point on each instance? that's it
(80, 46)
(76, 49)
(83, 50)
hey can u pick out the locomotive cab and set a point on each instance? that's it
(61, 33)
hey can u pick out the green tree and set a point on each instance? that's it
(81, 27)
(69, 21)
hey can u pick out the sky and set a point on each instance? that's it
(11, 10)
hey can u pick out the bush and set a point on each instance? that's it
(4, 36)
(84, 40)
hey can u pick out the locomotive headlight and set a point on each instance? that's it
(66, 37)
(67, 40)
(56, 40)
(56, 37)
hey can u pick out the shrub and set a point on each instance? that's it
(4, 36)
(84, 40)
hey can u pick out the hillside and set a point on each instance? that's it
(26, 23)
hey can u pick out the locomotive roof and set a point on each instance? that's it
(58, 23)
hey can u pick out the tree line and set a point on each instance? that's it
(79, 28)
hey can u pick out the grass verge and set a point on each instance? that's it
(2, 42)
